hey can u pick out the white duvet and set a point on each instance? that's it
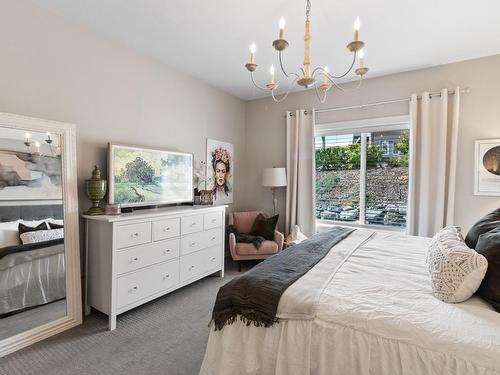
(376, 315)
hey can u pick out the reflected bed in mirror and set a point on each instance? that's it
(32, 274)
(39, 255)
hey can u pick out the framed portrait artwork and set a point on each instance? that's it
(220, 170)
(487, 167)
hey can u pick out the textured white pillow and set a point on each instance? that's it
(456, 270)
(42, 235)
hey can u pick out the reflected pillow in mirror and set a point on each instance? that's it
(41, 236)
(23, 228)
(9, 235)
(55, 225)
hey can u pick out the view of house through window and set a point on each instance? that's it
(362, 177)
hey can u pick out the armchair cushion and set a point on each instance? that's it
(243, 221)
(267, 248)
(264, 227)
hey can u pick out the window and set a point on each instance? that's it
(362, 172)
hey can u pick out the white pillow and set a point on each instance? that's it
(456, 270)
(42, 235)
(9, 233)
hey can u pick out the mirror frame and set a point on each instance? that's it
(71, 231)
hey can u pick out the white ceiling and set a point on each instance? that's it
(210, 39)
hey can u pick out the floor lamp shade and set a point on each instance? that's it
(274, 177)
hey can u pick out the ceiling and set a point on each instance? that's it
(210, 39)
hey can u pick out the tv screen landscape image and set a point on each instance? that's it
(146, 177)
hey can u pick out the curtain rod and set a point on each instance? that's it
(392, 101)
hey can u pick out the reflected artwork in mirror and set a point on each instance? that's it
(32, 260)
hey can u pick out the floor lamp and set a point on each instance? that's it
(274, 178)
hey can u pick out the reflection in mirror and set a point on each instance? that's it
(32, 264)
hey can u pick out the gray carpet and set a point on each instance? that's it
(166, 336)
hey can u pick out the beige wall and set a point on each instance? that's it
(480, 118)
(54, 69)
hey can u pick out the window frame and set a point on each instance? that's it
(364, 127)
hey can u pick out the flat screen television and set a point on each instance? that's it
(148, 177)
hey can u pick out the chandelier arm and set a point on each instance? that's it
(283, 69)
(341, 88)
(333, 76)
(322, 101)
(286, 94)
(256, 85)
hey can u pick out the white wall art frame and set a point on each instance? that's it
(71, 236)
(487, 167)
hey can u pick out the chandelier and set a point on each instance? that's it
(307, 78)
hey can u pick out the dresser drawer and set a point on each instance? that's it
(168, 228)
(201, 262)
(193, 242)
(143, 283)
(213, 237)
(212, 220)
(133, 234)
(146, 255)
(191, 224)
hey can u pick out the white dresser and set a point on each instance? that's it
(136, 257)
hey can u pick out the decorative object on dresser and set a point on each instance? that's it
(96, 190)
(139, 256)
(40, 282)
(220, 170)
(243, 222)
(274, 178)
(487, 167)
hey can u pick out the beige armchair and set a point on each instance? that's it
(242, 222)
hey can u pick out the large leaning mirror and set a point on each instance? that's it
(39, 255)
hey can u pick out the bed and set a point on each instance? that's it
(34, 274)
(372, 312)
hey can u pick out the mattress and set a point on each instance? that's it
(376, 315)
(32, 278)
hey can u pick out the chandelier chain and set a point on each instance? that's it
(308, 8)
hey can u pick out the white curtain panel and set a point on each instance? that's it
(300, 197)
(433, 151)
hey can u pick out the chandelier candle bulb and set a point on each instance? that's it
(357, 25)
(361, 56)
(282, 29)
(325, 75)
(37, 145)
(272, 71)
(253, 48)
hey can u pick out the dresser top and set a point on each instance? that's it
(155, 212)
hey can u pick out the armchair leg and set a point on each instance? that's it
(239, 266)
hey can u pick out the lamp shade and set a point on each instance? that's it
(274, 177)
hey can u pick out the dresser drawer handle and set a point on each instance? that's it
(133, 289)
(134, 235)
(166, 229)
(213, 259)
(213, 238)
(191, 268)
(134, 260)
(166, 277)
(165, 252)
(214, 220)
(192, 244)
